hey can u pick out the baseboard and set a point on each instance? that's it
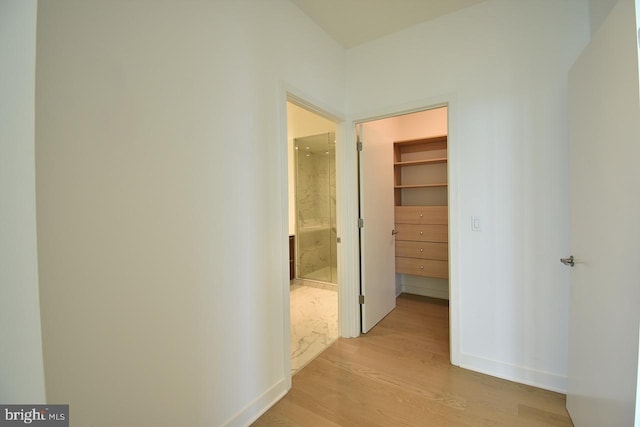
(519, 374)
(426, 291)
(424, 286)
(259, 406)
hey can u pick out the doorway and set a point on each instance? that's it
(313, 295)
(404, 207)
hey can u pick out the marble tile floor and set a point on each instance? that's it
(314, 322)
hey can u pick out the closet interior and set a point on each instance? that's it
(420, 163)
(421, 214)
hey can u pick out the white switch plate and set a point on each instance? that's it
(475, 223)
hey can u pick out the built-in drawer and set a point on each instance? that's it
(422, 233)
(421, 215)
(422, 267)
(425, 250)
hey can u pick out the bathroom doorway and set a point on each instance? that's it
(312, 234)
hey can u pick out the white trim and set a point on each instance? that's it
(636, 423)
(399, 110)
(289, 93)
(348, 250)
(308, 102)
(455, 223)
(638, 46)
(351, 286)
(519, 374)
(283, 160)
(254, 409)
(426, 291)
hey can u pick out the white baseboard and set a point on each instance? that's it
(426, 291)
(425, 286)
(259, 406)
(519, 374)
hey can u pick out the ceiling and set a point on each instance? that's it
(353, 22)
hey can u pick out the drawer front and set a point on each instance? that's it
(424, 250)
(422, 233)
(422, 215)
(422, 267)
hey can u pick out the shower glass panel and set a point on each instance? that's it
(315, 161)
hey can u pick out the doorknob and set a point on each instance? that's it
(568, 261)
(394, 232)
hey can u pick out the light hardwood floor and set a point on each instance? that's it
(399, 375)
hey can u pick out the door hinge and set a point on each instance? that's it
(359, 145)
(568, 261)
(361, 299)
(360, 222)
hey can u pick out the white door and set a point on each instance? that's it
(377, 244)
(604, 110)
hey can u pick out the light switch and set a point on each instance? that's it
(475, 223)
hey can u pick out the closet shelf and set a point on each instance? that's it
(421, 185)
(430, 140)
(421, 162)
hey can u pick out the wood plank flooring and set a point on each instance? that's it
(399, 375)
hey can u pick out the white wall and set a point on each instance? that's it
(505, 63)
(21, 370)
(598, 12)
(161, 209)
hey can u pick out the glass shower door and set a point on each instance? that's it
(316, 207)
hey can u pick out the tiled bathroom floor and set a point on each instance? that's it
(314, 323)
(323, 274)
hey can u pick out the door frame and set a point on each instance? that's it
(349, 157)
(289, 93)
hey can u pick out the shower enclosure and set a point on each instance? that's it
(315, 171)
